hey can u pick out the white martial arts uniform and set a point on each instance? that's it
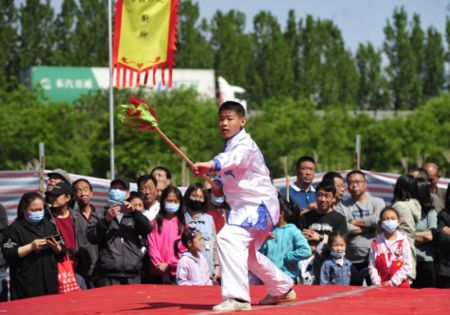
(254, 209)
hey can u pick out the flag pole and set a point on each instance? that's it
(357, 162)
(111, 93)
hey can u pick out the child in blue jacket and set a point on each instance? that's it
(286, 245)
(337, 269)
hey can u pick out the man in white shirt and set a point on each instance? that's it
(147, 188)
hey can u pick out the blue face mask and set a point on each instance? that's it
(35, 216)
(389, 225)
(116, 195)
(172, 207)
(217, 201)
(336, 254)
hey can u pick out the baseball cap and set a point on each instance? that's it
(59, 189)
(59, 173)
(121, 181)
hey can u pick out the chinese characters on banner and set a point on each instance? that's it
(144, 40)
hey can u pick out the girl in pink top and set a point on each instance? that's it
(390, 255)
(169, 225)
(192, 268)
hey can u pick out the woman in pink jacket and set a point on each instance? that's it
(169, 225)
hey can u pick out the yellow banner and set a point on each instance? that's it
(144, 33)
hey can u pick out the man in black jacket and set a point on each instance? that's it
(117, 231)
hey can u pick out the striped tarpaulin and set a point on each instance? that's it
(378, 184)
(13, 184)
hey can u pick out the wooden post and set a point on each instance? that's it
(183, 169)
(357, 161)
(284, 160)
(41, 167)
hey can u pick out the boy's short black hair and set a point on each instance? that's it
(304, 158)
(82, 180)
(353, 172)
(145, 178)
(133, 195)
(327, 186)
(330, 176)
(164, 169)
(233, 106)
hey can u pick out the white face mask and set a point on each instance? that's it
(389, 225)
(116, 195)
(35, 216)
(172, 207)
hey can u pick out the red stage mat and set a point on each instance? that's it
(158, 299)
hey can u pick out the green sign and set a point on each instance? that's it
(64, 83)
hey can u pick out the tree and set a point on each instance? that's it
(447, 54)
(37, 33)
(327, 72)
(285, 127)
(417, 39)
(272, 65)
(91, 33)
(66, 49)
(64, 131)
(292, 38)
(373, 92)
(193, 49)
(309, 71)
(232, 47)
(339, 76)
(401, 70)
(434, 60)
(8, 33)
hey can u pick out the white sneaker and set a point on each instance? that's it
(232, 305)
(283, 298)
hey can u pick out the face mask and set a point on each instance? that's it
(172, 207)
(196, 205)
(336, 254)
(35, 216)
(217, 201)
(389, 225)
(117, 195)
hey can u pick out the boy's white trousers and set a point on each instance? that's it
(238, 254)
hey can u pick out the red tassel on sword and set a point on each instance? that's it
(139, 115)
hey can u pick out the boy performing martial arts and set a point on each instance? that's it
(254, 210)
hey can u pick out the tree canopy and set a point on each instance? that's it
(289, 71)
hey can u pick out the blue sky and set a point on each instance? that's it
(359, 20)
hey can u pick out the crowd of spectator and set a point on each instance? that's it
(158, 235)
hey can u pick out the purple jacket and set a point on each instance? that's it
(193, 270)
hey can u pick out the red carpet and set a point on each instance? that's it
(158, 299)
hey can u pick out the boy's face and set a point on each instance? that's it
(324, 200)
(230, 123)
